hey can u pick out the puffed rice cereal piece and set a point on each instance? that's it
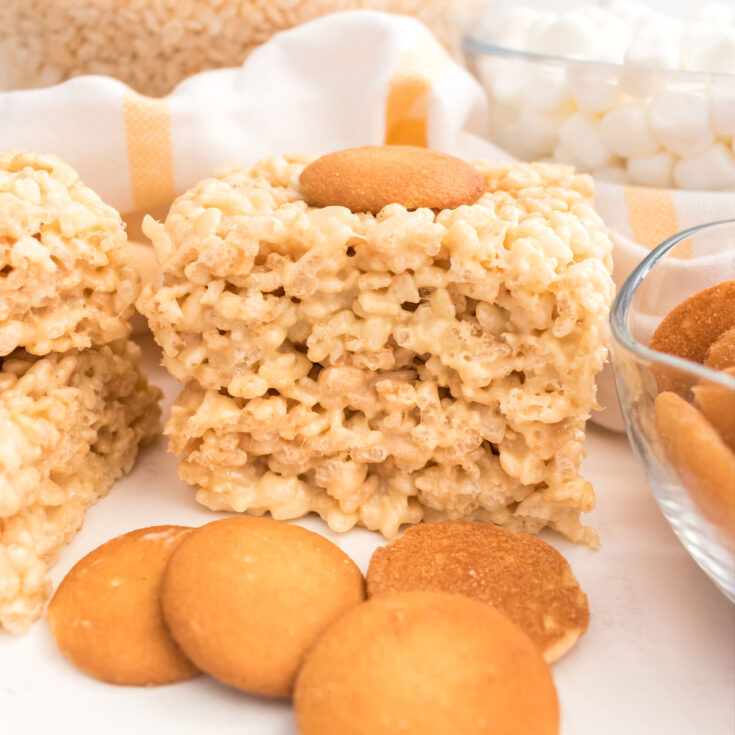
(380, 369)
(71, 424)
(63, 281)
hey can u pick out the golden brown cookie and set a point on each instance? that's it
(428, 663)
(106, 614)
(245, 597)
(721, 353)
(522, 576)
(704, 463)
(717, 403)
(690, 329)
(367, 179)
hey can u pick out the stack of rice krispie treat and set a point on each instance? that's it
(380, 369)
(74, 406)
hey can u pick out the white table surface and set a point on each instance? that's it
(659, 656)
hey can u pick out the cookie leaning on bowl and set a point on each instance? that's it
(698, 437)
(691, 330)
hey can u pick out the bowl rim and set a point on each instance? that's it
(624, 299)
(474, 45)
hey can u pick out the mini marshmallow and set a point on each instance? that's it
(538, 130)
(515, 26)
(595, 88)
(696, 36)
(719, 15)
(656, 170)
(571, 34)
(503, 78)
(655, 48)
(562, 154)
(629, 12)
(537, 27)
(638, 82)
(612, 174)
(722, 106)
(625, 132)
(716, 55)
(713, 168)
(615, 34)
(545, 85)
(680, 120)
(581, 135)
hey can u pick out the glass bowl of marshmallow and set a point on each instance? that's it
(630, 95)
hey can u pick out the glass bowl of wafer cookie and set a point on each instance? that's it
(673, 326)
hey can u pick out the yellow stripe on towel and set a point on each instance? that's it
(150, 158)
(653, 218)
(407, 109)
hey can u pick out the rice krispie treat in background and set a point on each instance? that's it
(71, 424)
(383, 368)
(152, 45)
(63, 281)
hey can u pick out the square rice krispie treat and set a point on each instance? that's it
(383, 368)
(71, 424)
(63, 281)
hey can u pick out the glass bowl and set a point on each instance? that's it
(664, 128)
(662, 400)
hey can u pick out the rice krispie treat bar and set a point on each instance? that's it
(152, 45)
(63, 281)
(380, 369)
(71, 424)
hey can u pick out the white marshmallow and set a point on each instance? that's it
(537, 130)
(571, 34)
(638, 82)
(537, 27)
(722, 106)
(545, 85)
(595, 88)
(503, 78)
(625, 132)
(718, 15)
(716, 55)
(660, 21)
(655, 48)
(614, 33)
(696, 36)
(612, 174)
(629, 12)
(656, 170)
(516, 24)
(562, 154)
(680, 120)
(712, 169)
(581, 135)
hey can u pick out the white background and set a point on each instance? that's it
(659, 656)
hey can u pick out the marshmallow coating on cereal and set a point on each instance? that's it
(70, 425)
(384, 369)
(64, 283)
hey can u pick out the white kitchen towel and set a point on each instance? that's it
(347, 79)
